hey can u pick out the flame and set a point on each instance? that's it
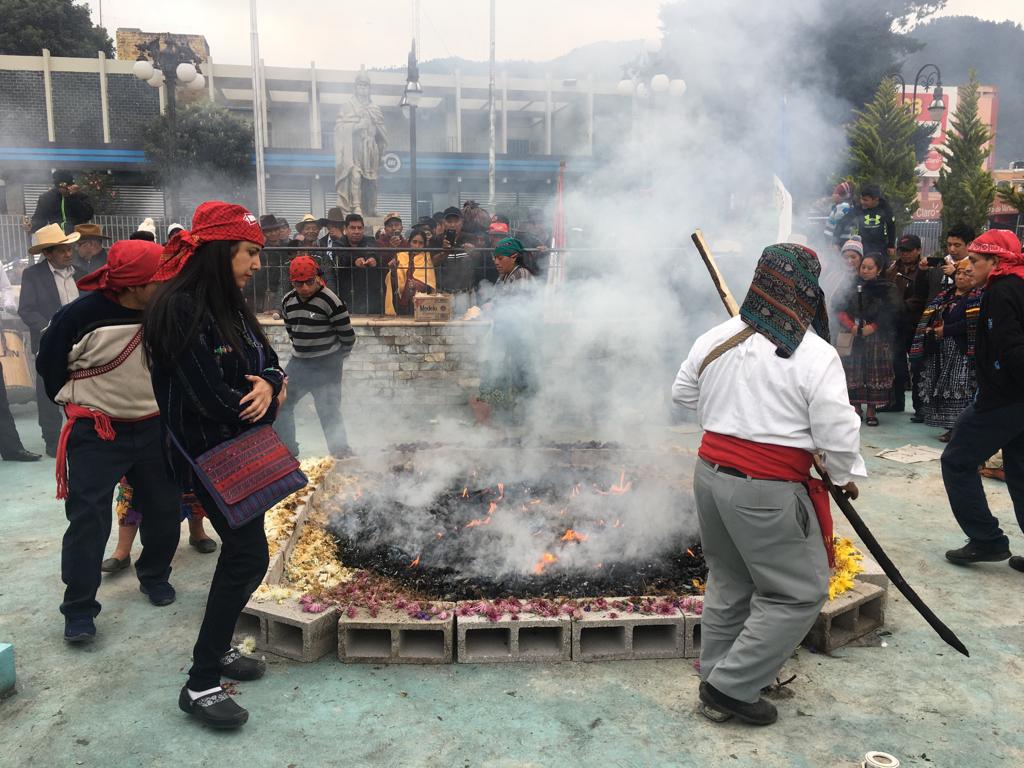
(479, 521)
(534, 501)
(415, 562)
(546, 559)
(440, 534)
(491, 507)
(601, 523)
(571, 535)
(622, 486)
(690, 552)
(465, 492)
(501, 491)
(575, 491)
(698, 584)
(617, 524)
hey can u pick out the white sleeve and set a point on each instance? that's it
(835, 425)
(685, 390)
(7, 302)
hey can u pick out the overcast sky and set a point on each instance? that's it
(343, 34)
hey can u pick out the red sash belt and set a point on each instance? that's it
(104, 427)
(763, 461)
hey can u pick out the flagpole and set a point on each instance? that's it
(490, 108)
(259, 130)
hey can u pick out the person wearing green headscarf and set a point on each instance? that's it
(508, 260)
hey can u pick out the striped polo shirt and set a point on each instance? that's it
(319, 326)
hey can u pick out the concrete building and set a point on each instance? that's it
(87, 114)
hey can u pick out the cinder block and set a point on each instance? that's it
(290, 632)
(251, 624)
(528, 637)
(393, 637)
(7, 674)
(872, 573)
(851, 615)
(611, 635)
(691, 647)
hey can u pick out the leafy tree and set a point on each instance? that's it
(210, 153)
(1012, 197)
(967, 189)
(882, 150)
(62, 26)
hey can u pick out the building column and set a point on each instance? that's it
(315, 132)
(104, 99)
(547, 114)
(208, 72)
(504, 112)
(266, 97)
(458, 112)
(590, 116)
(51, 133)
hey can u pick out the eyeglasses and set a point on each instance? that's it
(308, 283)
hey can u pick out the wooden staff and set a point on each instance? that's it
(840, 496)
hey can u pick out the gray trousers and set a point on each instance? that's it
(767, 580)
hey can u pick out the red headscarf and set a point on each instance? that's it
(302, 268)
(130, 263)
(212, 221)
(1005, 245)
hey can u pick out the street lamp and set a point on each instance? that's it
(166, 61)
(926, 77)
(411, 98)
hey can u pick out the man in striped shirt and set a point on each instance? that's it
(318, 325)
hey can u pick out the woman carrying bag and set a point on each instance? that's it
(218, 385)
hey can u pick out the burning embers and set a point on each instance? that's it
(556, 531)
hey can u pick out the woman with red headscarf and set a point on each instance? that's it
(996, 418)
(215, 376)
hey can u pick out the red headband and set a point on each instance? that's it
(130, 263)
(302, 268)
(212, 221)
(1003, 244)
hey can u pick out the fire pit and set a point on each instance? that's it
(575, 521)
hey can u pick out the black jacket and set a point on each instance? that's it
(39, 300)
(912, 285)
(54, 208)
(361, 288)
(461, 268)
(876, 227)
(200, 395)
(999, 354)
(83, 267)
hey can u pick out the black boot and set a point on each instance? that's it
(978, 552)
(216, 709)
(238, 667)
(760, 712)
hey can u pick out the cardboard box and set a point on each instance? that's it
(432, 307)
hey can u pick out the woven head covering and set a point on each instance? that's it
(844, 189)
(1004, 245)
(853, 245)
(784, 297)
(212, 221)
(130, 263)
(509, 246)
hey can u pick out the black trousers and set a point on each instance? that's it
(321, 378)
(10, 441)
(901, 350)
(51, 418)
(94, 467)
(242, 563)
(976, 437)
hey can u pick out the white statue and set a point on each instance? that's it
(360, 139)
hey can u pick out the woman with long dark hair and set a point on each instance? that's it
(215, 376)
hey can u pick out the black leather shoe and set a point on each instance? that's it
(51, 451)
(216, 709)
(1017, 563)
(238, 667)
(975, 552)
(760, 712)
(22, 455)
(890, 409)
(917, 418)
(113, 565)
(206, 546)
(158, 594)
(79, 631)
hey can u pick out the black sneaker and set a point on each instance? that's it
(159, 594)
(216, 709)
(917, 418)
(759, 713)
(239, 667)
(79, 631)
(1017, 563)
(976, 552)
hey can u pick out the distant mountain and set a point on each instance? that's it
(602, 61)
(996, 51)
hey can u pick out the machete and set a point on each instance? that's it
(841, 499)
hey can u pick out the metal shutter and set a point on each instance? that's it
(386, 202)
(290, 204)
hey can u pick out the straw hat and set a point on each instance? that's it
(309, 217)
(51, 235)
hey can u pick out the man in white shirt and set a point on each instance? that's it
(45, 288)
(768, 395)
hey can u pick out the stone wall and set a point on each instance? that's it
(406, 363)
(77, 113)
(22, 108)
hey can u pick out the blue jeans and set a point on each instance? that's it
(976, 437)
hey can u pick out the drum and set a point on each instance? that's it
(16, 372)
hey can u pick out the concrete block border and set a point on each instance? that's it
(528, 637)
(616, 635)
(851, 615)
(393, 637)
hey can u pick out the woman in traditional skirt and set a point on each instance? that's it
(869, 312)
(944, 341)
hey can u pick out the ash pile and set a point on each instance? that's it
(456, 524)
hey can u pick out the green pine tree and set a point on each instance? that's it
(967, 189)
(882, 150)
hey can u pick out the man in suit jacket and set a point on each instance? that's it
(45, 288)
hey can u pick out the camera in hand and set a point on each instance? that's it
(449, 235)
(935, 261)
